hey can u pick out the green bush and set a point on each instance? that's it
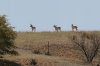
(7, 37)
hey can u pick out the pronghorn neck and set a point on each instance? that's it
(31, 25)
(72, 25)
(55, 26)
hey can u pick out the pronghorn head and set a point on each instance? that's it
(31, 25)
(72, 25)
(55, 26)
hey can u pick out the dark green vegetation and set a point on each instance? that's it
(7, 37)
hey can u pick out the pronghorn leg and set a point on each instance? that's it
(35, 30)
(72, 29)
(60, 30)
(32, 30)
(77, 29)
(57, 30)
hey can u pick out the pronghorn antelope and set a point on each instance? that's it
(74, 28)
(33, 28)
(58, 29)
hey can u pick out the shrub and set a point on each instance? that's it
(88, 44)
(7, 37)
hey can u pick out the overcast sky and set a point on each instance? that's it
(45, 13)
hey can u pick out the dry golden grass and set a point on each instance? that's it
(62, 51)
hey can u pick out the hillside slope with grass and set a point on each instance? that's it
(62, 52)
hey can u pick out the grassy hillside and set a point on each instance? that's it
(62, 51)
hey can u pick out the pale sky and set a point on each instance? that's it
(45, 13)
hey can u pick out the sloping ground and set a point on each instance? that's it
(60, 44)
(62, 50)
(42, 60)
(26, 58)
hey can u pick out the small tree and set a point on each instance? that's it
(7, 37)
(88, 43)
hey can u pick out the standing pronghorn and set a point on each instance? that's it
(57, 28)
(74, 27)
(33, 28)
